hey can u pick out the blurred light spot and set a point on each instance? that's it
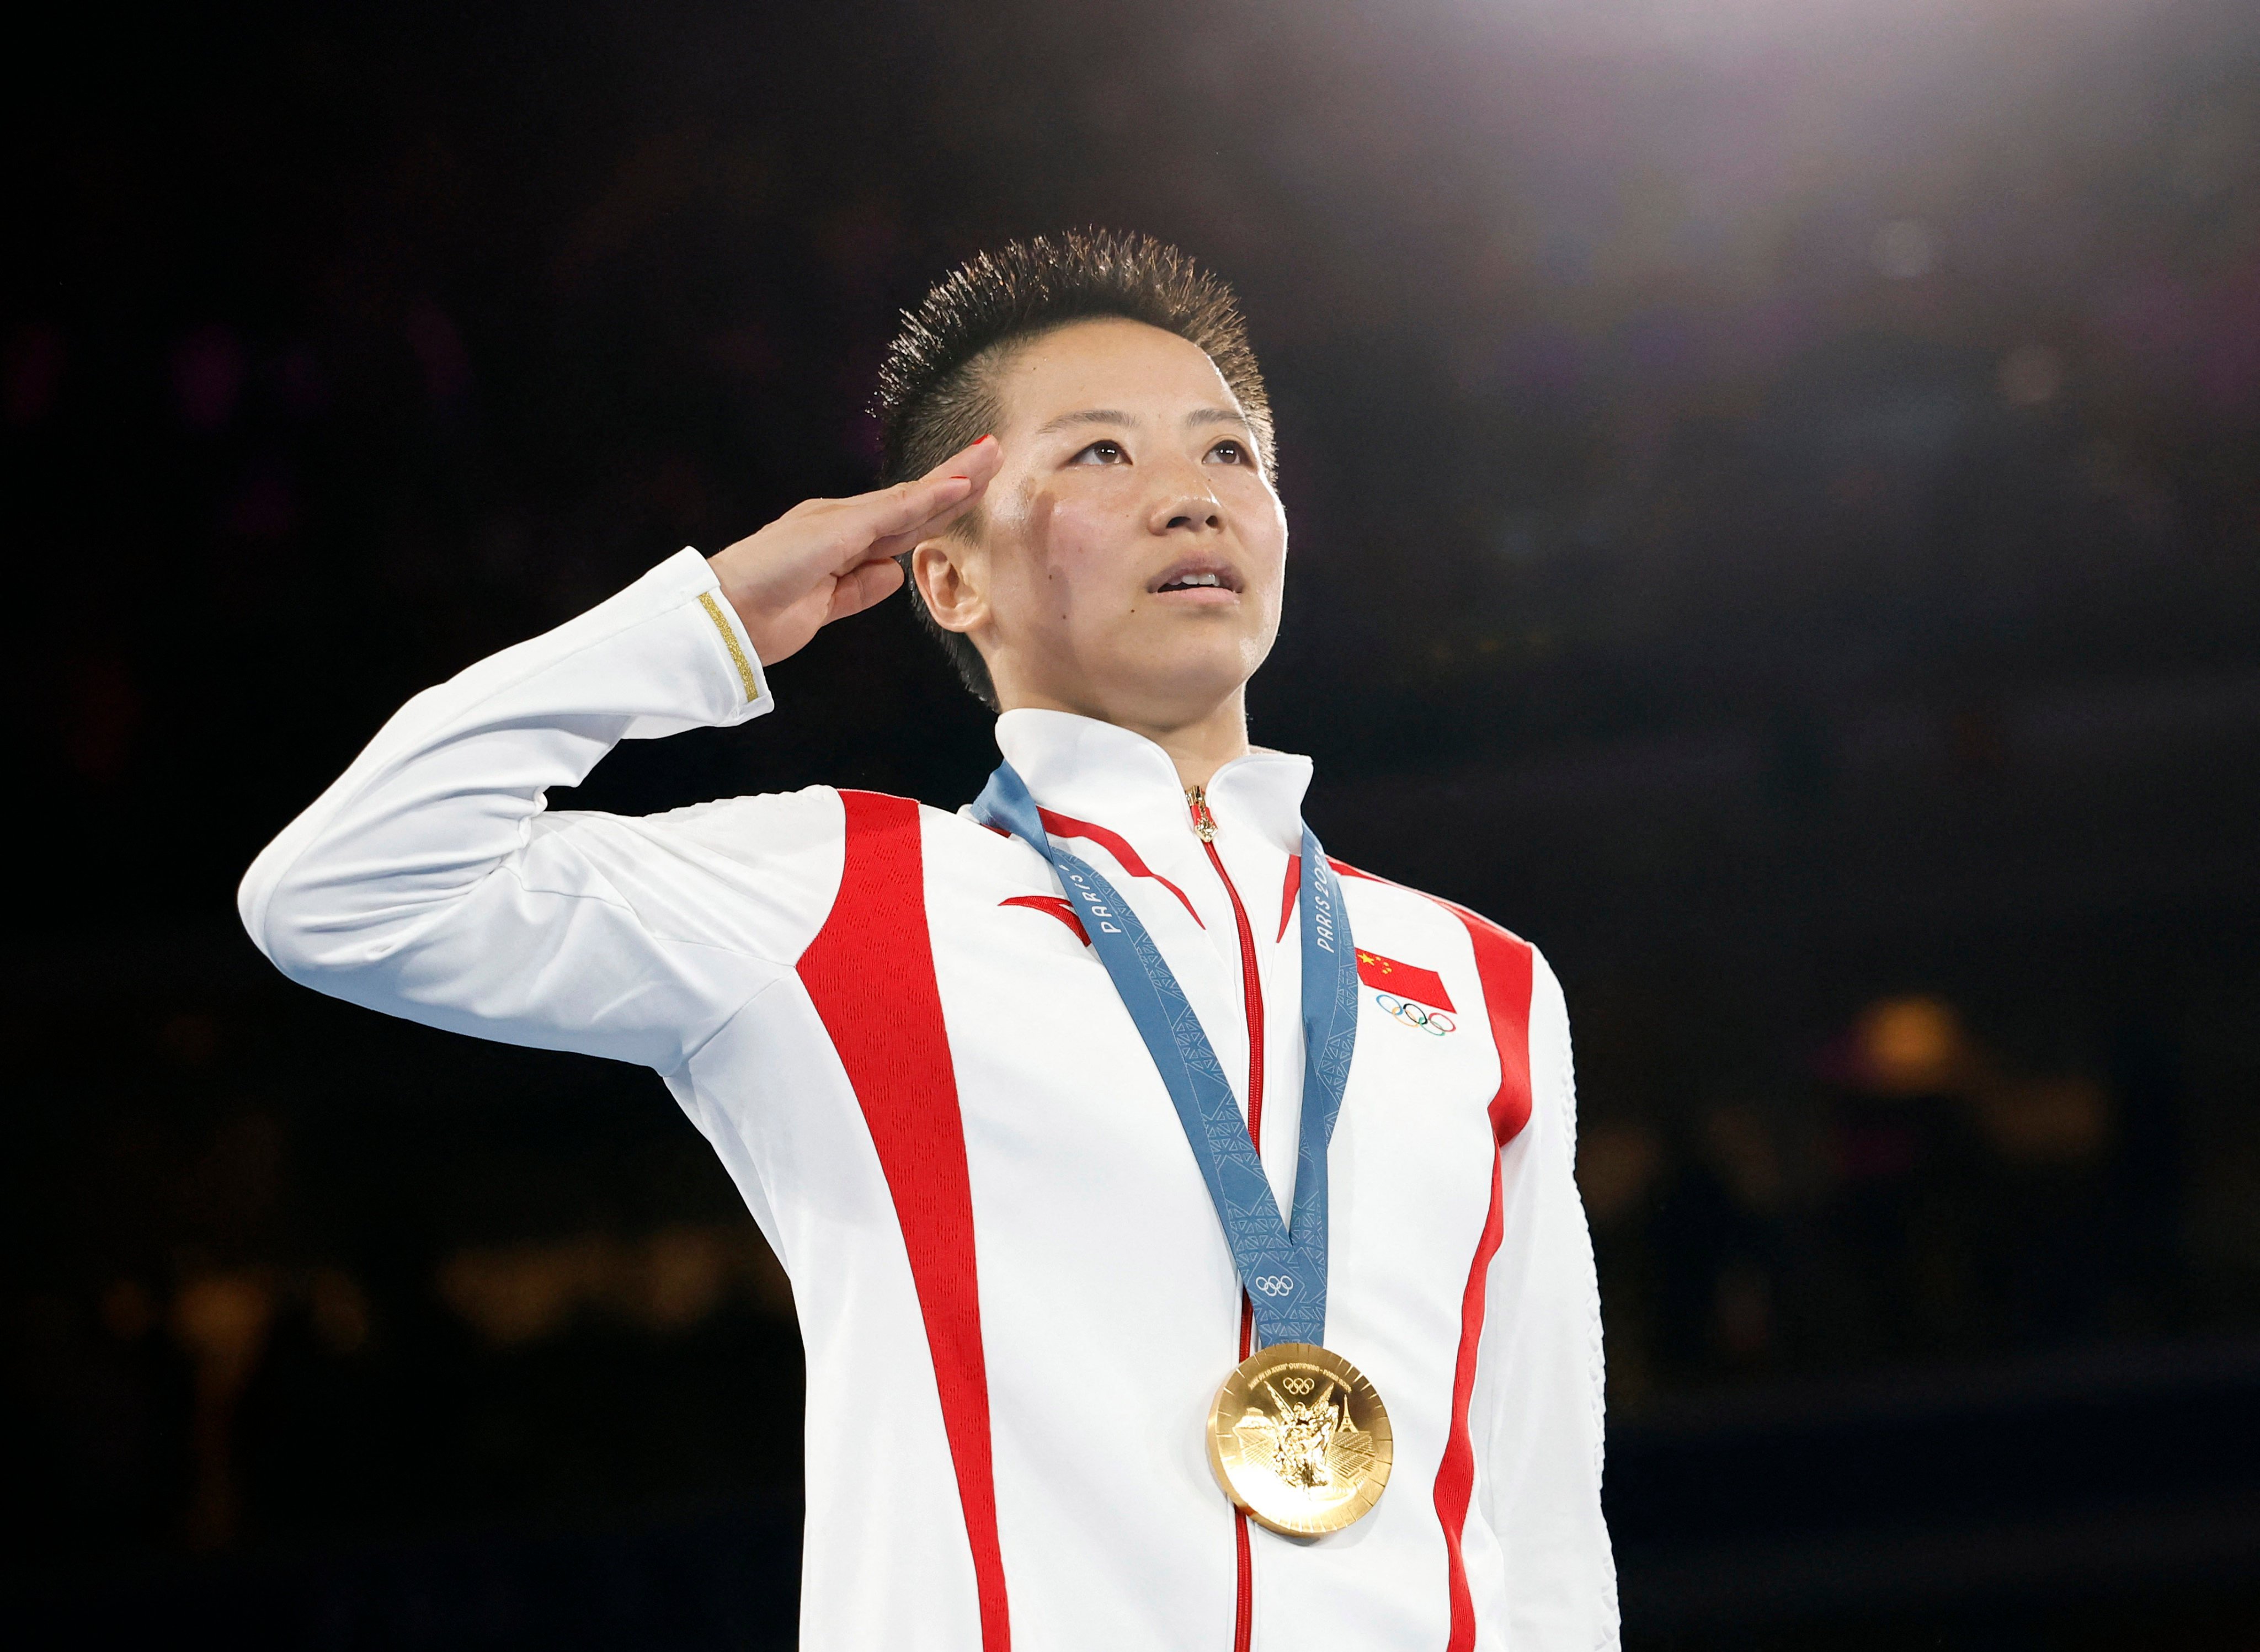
(515, 1296)
(2046, 1120)
(36, 357)
(208, 377)
(686, 1274)
(222, 1320)
(1905, 248)
(2030, 374)
(669, 1282)
(1911, 1047)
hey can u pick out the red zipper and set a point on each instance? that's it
(1251, 997)
(1251, 986)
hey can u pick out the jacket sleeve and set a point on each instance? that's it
(1539, 1376)
(429, 883)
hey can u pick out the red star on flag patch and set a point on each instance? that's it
(1404, 980)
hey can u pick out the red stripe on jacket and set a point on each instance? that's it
(871, 973)
(1506, 967)
(1055, 906)
(1287, 893)
(1066, 825)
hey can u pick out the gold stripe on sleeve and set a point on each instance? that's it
(730, 641)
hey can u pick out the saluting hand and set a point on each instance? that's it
(826, 558)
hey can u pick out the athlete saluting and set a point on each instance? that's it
(1201, 1208)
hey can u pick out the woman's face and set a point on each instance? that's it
(1129, 557)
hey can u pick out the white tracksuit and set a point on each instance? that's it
(1015, 1296)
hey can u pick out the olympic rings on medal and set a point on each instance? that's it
(1431, 1021)
(1298, 1385)
(1274, 1284)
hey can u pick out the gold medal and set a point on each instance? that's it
(1299, 1439)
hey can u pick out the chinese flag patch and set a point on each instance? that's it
(1423, 986)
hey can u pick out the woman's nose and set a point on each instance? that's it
(1194, 514)
(1186, 505)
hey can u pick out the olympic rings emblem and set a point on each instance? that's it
(1435, 1022)
(1275, 1285)
(1298, 1384)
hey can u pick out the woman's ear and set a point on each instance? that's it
(946, 572)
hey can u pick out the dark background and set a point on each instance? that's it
(1777, 523)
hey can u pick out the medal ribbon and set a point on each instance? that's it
(1282, 1266)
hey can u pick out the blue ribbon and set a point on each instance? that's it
(1282, 1266)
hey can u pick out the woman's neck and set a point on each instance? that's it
(1197, 748)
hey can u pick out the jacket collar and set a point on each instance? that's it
(1093, 771)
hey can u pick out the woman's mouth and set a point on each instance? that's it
(1202, 582)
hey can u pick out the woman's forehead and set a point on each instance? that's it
(1108, 365)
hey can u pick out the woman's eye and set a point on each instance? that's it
(1101, 453)
(1230, 451)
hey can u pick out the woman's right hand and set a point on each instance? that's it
(826, 558)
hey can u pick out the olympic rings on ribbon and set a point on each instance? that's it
(1431, 1021)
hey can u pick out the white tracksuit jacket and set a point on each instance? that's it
(1015, 1296)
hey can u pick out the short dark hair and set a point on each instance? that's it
(937, 384)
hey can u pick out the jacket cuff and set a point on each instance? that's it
(685, 584)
